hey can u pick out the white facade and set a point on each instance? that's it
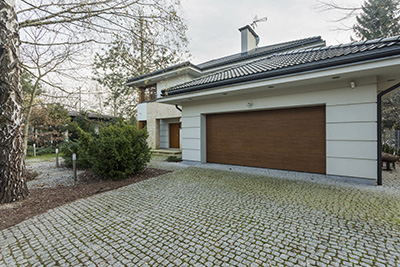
(351, 133)
(351, 112)
(158, 116)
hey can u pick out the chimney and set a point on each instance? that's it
(250, 39)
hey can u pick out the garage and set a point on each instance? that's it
(286, 139)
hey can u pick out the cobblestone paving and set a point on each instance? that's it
(201, 217)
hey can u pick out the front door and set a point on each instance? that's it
(174, 136)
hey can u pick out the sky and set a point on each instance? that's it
(213, 24)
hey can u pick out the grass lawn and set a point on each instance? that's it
(46, 157)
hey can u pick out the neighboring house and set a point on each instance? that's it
(164, 121)
(96, 119)
(311, 110)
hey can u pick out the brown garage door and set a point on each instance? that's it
(286, 139)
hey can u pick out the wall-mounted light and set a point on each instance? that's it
(352, 85)
(249, 104)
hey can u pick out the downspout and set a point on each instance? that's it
(178, 108)
(379, 101)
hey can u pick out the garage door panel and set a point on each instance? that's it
(288, 139)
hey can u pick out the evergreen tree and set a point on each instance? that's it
(379, 18)
(391, 111)
(146, 47)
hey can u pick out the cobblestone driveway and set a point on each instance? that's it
(214, 218)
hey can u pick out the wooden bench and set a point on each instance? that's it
(389, 158)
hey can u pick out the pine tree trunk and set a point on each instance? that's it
(12, 158)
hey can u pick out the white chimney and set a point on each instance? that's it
(250, 39)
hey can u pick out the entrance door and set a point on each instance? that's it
(174, 136)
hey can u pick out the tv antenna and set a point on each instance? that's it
(256, 20)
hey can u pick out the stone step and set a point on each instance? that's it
(166, 151)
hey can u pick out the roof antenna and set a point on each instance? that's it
(256, 20)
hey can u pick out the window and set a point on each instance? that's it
(148, 93)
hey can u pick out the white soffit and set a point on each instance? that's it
(371, 68)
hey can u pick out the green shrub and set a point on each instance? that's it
(390, 149)
(173, 159)
(81, 147)
(41, 151)
(120, 150)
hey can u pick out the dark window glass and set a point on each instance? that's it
(150, 93)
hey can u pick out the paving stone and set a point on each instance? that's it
(200, 217)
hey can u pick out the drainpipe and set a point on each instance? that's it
(379, 101)
(178, 108)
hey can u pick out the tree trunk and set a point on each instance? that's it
(12, 158)
(28, 116)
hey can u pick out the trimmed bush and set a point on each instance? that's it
(120, 150)
(81, 147)
(173, 159)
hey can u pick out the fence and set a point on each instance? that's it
(391, 137)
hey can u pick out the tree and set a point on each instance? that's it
(378, 19)
(12, 184)
(141, 50)
(391, 111)
(27, 80)
(56, 36)
(374, 19)
(49, 123)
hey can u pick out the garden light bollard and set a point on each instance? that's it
(57, 165)
(34, 150)
(74, 165)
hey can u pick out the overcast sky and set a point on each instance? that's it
(213, 24)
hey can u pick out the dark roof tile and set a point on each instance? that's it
(298, 60)
(236, 58)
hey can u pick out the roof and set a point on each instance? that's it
(261, 51)
(171, 68)
(91, 115)
(291, 62)
(258, 52)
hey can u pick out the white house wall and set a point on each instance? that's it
(169, 82)
(351, 138)
(156, 113)
(142, 112)
(164, 131)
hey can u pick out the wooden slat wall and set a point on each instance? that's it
(287, 139)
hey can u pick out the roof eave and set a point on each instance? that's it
(313, 66)
(159, 77)
(277, 82)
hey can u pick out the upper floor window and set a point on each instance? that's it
(148, 93)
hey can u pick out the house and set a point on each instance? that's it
(163, 121)
(96, 119)
(313, 110)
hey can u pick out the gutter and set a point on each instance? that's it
(178, 108)
(334, 62)
(379, 102)
(186, 64)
